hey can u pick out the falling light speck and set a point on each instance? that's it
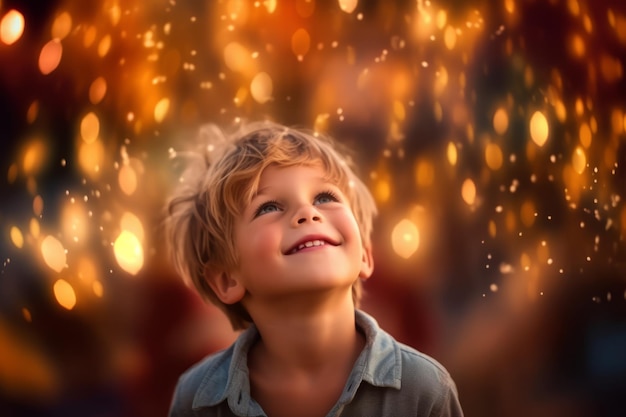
(64, 294)
(468, 192)
(11, 27)
(97, 90)
(91, 157)
(500, 121)
(61, 26)
(452, 153)
(90, 127)
(97, 289)
(584, 134)
(449, 37)
(493, 156)
(270, 5)
(34, 157)
(405, 238)
(127, 179)
(128, 252)
(261, 87)
(579, 160)
(104, 46)
(131, 223)
(50, 56)
(53, 253)
(16, 237)
(237, 58)
(300, 42)
(348, 6)
(161, 109)
(539, 128)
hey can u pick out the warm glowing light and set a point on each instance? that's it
(561, 111)
(127, 179)
(382, 191)
(238, 58)
(425, 173)
(468, 192)
(61, 26)
(441, 81)
(300, 43)
(449, 37)
(493, 156)
(528, 213)
(577, 46)
(500, 121)
(64, 294)
(451, 153)
(97, 90)
(573, 7)
(348, 6)
(33, 157)
(584, 134)
(38, 205)
(90, 36)
(270, 5)
(91, 157)
(405, 238)
(579, 160)
(53, 253)
(90, 127)
(97, 288)
(33, 111)
(539, 129)
(128, 252)
(34, 228)
(261, 87)
(161, 109)
(16, 237)
(509, 5)
(11, 27)
(74, 221)
(104, 46)
(305, 8)
(50, 56)
(398, 110)
(131, 223)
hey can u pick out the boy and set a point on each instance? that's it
(276, 232)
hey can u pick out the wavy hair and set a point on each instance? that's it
(220, 181)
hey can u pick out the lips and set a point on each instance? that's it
(309, 242)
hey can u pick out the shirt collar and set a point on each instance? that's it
(379, 364)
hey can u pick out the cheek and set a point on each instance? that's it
(259, 243)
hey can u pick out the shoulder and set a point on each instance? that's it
(418, 367)
(212, 370)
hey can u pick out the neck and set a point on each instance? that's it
(296, 337)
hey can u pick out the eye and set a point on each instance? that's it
(325, 197)
(267, 207)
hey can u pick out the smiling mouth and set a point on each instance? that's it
(308, 244)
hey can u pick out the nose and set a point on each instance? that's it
(306, 213)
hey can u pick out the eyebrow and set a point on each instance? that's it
(320, 180)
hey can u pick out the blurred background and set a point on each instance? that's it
(491, 133)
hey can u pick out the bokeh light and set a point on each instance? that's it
(504, 122)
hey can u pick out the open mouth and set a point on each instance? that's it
(309, 243)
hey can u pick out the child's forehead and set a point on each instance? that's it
(274, 174)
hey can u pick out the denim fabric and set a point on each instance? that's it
(388, 379)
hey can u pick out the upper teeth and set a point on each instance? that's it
(309, 244)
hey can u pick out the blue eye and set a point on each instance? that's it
(267, 207)
(326, 197)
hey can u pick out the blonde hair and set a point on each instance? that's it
(216, 188)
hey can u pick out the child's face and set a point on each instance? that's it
(298, 235)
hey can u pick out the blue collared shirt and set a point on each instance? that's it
(388, 379)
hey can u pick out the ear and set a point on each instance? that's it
(228, 289)
(367, 263)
